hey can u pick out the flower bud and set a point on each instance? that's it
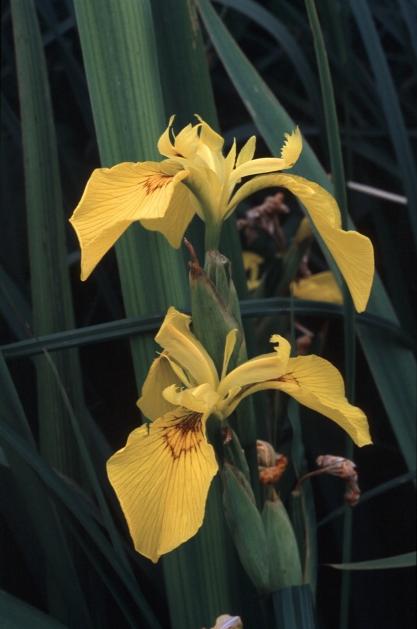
(284, 559)
(246, 527)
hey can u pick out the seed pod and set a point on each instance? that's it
(284, 559)
(246, 527)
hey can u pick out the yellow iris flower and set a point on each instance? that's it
(196, 178)
(163, 474)
(252, 263)
(318, 287)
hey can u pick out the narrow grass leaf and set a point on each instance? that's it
(372, 493)
(391, 106)
(282, 34)
(51, 296)
(407, 560)
(66, 599)
(251, 308)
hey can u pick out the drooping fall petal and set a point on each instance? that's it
(181, 209)
(114, 198)
(161, 478)
(317, 384)
(318, 287)
(352, 252)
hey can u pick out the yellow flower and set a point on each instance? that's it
(318, 287)
(196, 178)
(252, 263)
(352, 252)
(163, 474)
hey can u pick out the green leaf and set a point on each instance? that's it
(127, 103)
(393, 367)
(50, 288)
(391, 106)
(407, 560)
(125, 328)
(81, 510)
(15, 614)
(66, 598)
(285, 40)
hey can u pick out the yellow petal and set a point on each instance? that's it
(317, 384)
(247, 151)
(161, 478)
(304, 231)
(178, 215)
(320, 287)
(114, 198)
(206, 186)
(352, 252)
(292, 147)
(200, 399)
(177, 339)
(160, 376)
(229, 346)
(259, 369)
(165, 146)
(290, 153)
(209, 137)
(187, 141)
(251, 263)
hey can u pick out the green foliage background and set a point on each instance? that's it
(93, 82)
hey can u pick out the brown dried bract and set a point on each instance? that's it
(265, 217)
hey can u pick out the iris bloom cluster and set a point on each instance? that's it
(163, 474)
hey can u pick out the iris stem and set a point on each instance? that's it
(212, 236)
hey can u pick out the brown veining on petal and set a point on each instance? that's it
(184, 435)
(155, 182)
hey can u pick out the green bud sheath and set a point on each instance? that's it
(212, 319)
(246, 527)
(284, 559)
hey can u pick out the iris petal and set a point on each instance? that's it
(352, 252)
(177, 339)
(318, 287)
(114, 198)
(159, 377)
(317, 384)
(161, 478)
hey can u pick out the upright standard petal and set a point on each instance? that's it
(185, 143)
(177, 339)
(352, 252)
(317, 384)
(318, 287)
(114, 198)
(160, 376)
(259, 369)
(161, 478)
(290, 153)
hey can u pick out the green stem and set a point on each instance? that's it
(212, 234)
